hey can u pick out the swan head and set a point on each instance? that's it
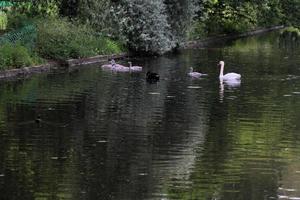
(191, 69)
(221, 63)
(113, 62)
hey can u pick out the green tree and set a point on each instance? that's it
(291, 12)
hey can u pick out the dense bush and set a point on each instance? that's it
(230, 16)
(219, 18)
(16, 56)
(61, 39)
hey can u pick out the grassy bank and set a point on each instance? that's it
(17, 56)
(54, 39)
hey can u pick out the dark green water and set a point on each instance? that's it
(108, 136)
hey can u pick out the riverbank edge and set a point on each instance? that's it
(54, 65)
(212, 40)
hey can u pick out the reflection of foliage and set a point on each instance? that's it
(19, 173)
(35, 168)
(29, 90)
(251, 150)
(251, 139)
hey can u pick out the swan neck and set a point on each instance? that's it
(221, 70)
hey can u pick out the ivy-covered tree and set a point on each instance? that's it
(144, 25)
(180, 16)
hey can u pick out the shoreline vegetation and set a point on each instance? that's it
(53, 65)
(211, 40)
(32, 32)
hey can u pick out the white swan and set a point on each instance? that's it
(121, 68)
(230, 77)
(109, 66)
(134, 68)
(195, 74)
(113, 66)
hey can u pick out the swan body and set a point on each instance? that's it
(120, 68)
(195, 74)
(113, 66)
(152, 77)
(230, 77)
(134, 68)
(110, 66)
(107, 66)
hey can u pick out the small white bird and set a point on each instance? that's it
(109, 66)
(134, 68)
(228, 76)
(195, 74)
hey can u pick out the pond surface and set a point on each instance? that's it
(113, 136)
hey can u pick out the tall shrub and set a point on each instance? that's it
(16, 56)
(62, 39)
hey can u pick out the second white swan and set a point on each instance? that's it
(195, 74)
(134, 68)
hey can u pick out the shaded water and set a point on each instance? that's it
(114, 137)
